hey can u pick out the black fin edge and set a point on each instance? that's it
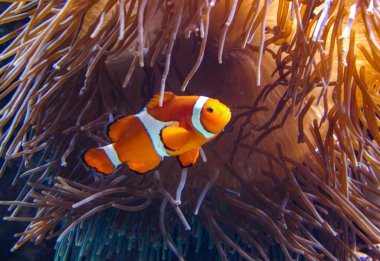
(162, 140)
(144, 173)
(182, 166)
(109, 125)
(90, 167)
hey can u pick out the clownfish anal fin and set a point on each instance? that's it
(116, 129)
(156, 98)
(174, 137)
(143, 167)
(187, 159)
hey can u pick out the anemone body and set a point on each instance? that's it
(299, 164)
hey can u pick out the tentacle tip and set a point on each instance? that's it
(59, 239)
(82, 91)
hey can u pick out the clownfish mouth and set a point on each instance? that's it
(227, 117)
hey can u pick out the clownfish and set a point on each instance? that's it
(179, 128)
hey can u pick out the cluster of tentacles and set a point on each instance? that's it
(297, 173)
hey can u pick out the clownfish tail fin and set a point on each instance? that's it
(103, 159)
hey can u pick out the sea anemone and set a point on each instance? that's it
(296, 173)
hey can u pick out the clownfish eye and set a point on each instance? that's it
(209, 109)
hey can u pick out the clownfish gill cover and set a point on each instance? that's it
(193, 130)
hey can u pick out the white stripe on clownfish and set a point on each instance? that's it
(153, 128)
(196, 117)
(111, 154)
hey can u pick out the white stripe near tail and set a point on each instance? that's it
(112, 154)
(103, 159)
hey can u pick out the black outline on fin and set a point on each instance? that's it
(182, 166)
(88, 166)
(162, 140)
(143, 173)
(109, 125)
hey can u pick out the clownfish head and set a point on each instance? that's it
(213, 116)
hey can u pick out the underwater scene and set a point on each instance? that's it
(189, 130)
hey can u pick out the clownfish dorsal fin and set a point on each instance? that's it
(118, 127)
(153, 103)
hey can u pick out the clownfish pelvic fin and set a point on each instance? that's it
(174, 137)
(188, 159)
(103, 159)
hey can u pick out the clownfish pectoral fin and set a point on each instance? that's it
(153, 103)
(143, 167)
(117, 128)
(174, 138)
(98, 159)
(187, 159)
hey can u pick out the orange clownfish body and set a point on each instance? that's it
(178, 128)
